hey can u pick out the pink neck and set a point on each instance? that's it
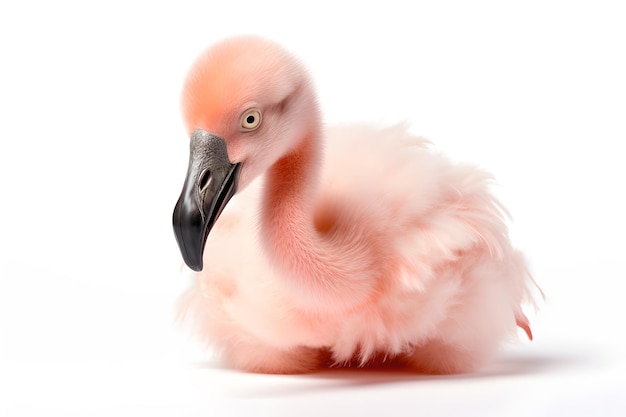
(324, 267)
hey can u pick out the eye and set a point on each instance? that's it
(251, 119)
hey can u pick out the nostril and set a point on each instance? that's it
(205, 180)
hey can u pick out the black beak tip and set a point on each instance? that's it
(187, 222)
(193, 259)
(195, 267)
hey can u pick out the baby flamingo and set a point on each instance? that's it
(342, 247)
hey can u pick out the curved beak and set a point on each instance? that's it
(211, 181)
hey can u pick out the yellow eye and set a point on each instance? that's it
(251, 119)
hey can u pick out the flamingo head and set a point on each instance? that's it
(246, 103)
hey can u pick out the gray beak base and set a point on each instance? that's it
(211, 182)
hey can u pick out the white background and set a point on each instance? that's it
(93, 154)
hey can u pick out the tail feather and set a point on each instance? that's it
(524, 324)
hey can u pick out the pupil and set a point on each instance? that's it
(250, 119)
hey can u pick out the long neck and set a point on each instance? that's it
(323, 267)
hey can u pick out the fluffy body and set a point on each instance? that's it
(344, 246)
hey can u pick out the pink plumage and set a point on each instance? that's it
(343, 246)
